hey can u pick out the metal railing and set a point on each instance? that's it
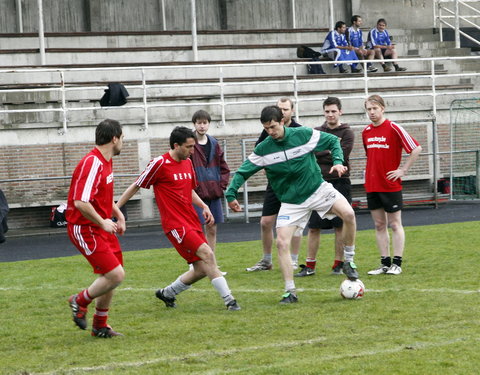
(459, 7)
(63, 86)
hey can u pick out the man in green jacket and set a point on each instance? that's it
(288, 157)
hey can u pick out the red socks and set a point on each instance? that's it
(83, 298)
(100, 318)
(311, 263)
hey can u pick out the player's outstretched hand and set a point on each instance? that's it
(109, 226)
(341, 169)
(234, 206)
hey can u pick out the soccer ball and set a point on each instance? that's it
(352, 289)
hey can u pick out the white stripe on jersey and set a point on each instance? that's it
(92, 174)
(281, 156)
(148, 170)
(402, 133)
(78, 236)
(177, 235)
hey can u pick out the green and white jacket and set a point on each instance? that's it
(290, 163)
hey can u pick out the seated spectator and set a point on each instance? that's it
(355, 39)
(336, 48)
(379, 41)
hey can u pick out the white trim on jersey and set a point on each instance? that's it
(83, 244)
(141, 179)
(282, 156)
(403, 134)
(177, 236)
(92, 174)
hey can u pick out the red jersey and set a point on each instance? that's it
(92, 181)
(383, 146)
(173, 183)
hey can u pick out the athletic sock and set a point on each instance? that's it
(220, 284)
(311, 263)
(337, 263)
(294, 257)
(100, 318)
(175, 288)
(290, 286)
(83, 298)
(348, 253)
(267, 258)
(386, 261)
(397, 260)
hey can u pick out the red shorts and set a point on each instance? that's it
(187, 243)
(101, 249)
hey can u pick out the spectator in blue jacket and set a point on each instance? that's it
(212, 173)
(379, 41)
(355, 39)
(336, 48)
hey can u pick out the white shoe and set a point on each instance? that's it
(223, 273)
(379, 271)
(190, 266)
(394, 270)
(294, 265)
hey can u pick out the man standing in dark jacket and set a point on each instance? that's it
(212, 173)
(332, 108)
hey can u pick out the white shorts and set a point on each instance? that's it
(321, 200)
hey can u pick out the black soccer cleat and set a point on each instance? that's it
(306, 271)
(289, 297)
(79, 313)
(105, 332)
(233, 306)
(350, 270)
(169, 302)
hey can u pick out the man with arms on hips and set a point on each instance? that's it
(173, 179)
(287, 155)
(271, 204)
(384, 141)
(90, 227)
(332, 109)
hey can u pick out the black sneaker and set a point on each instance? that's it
(289, 297)
(400, 69)
(350, 270)
(169, 302)
(356, 70)
(79, 313)
(233, 306)
(337, 270)
(306, 271)
(105, 332)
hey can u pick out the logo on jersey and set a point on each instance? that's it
(182, 176)
(110, 178)
(377, 142)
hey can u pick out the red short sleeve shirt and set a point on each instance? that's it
(172, 183)
(383, 146)
(92, 181)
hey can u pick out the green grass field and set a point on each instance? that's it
(425, 321)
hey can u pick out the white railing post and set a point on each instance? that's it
(457, 25)
(64, 101)
(145, 103)
(434, 93)
(294, 21)
(41, 36)
(332, 21)
(164, 17)
(440, 23)
(295, 93)
(222, 97)
(19, 16)
(194, 31)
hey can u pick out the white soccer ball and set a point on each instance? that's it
(352, 289)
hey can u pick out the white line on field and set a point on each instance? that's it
(221, 353)
(244, 290)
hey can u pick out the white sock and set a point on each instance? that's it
(267, 258)
(348, 253)
(220, 284)
(175, 288)
(294, 257)
(290, 286)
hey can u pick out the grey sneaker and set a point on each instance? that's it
(394, 270)
(387, 68)
(350, 270)
(262, 265)
(400, 69)
(379, 271)
(306, 271)
(372, 69)
(289, 297)
(233, 306)
(169, 302)
(337, 270)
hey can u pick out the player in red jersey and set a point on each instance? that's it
(173, 179)
(90, 227)
(384, 141)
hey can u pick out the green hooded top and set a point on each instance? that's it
(290, 163)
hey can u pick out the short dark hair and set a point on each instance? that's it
(271, 113)
(355, 18)
(331, 100)
(201, 115)
(106, 130)
(339, 24)
(381, 20)
(180, 135)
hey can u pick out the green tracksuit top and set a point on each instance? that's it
(290, 163)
